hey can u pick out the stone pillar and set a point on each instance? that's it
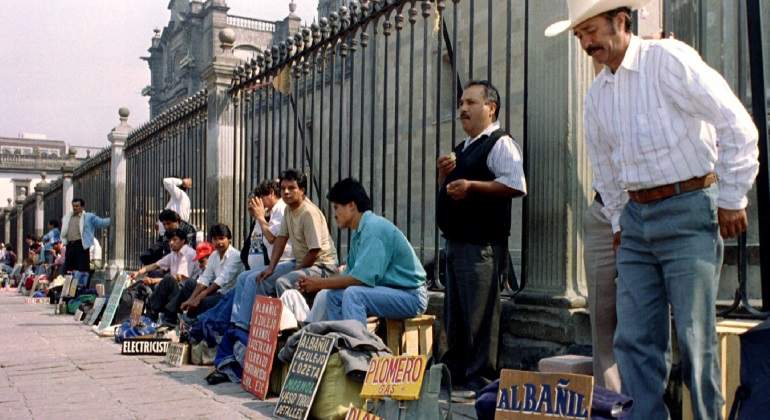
(40, 206)
(67, 188)
(7, 226)
(20, 223)
(220, 134)
(551, 313)
(117, 138)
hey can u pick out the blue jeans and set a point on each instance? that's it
(358, 302)
(670, 254)
(247, 288)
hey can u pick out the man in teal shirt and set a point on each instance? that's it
(383, 276)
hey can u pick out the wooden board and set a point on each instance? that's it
(355, 413)
(95, 311)
(305, 372)
(178, 354)
(37, 301)
(263, 340)
(145, 347)
(396, 377)
(112, 304)
(78, 315)
(136, 312)
(531, 395)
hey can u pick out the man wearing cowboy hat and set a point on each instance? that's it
(662, 127)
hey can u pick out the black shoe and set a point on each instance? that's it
(476, 384)
(461, 394)
(216, 377)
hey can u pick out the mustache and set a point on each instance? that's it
(463, 116)
(591, 49)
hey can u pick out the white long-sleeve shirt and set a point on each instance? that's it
(665, 116)
(179, 201)
(222, 271)
(504, 160)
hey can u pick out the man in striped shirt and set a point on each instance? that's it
(662, 127)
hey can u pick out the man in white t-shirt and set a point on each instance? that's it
(267, 209)
(178, 200)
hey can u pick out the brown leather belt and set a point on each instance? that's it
(666, 191)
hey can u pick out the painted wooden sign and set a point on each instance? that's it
(304, 376)
(263, 339)
(177, 354)
(65, 289)
(143, 346)
(37, 301)
(355, 413)
(99, 290)
(136, 312)
(95, 311)
(530, 395)
(112, 304)
(78, 315)
(396, 377)
(35, 282)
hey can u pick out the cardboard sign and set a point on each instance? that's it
(396, 377)
(78, 315)
(136, 312)
(36, 301)
(95, 311)
(263, 339)
(31, 291)
(73, 291)
(305, 372)
(177, 354)
(143, 346)
(528, 395)
(112, 305)
(359, 414)
(99, 290)
(65, 289)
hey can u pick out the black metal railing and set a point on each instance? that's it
(171, 145)
(371, 92)
(28, 219)
(52, 202)
(14, 218)
(91, 182)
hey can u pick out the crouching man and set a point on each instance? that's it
(177, 266)
(383, 276)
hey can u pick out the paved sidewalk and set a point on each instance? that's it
(52, 367)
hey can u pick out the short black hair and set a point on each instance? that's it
(347, 190)
(30, 236)
(490, 93)
(614, 12)
(295, 175)
(220, 229)
(79, 200)
(267, 187)
(9, 247)
(176, 233)
(169, 215)
(55, 223)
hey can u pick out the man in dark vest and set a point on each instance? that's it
(478, 180)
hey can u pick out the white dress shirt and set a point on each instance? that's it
(179, 201)
(504, 160)
(222, 271)
(256, 259)
(665, 116)
(178, 263)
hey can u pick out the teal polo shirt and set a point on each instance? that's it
(380, 255)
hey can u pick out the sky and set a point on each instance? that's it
(68, 65)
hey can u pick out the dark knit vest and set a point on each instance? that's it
(477, 219)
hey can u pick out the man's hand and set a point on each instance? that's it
(458, 189)
(190, 304)
(732, 222)
(265, 274)
(187, 183)
(151, 281)
(309, 284)
(259, 208)
(139, 272)
(446, 164)
(616, 242)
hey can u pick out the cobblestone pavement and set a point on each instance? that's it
(52, 367)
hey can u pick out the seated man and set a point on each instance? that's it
(383, 276)
(177, 266)
(170, 220)
(218, 278)
(305, 226)
(9, 259)
(267, 209)
(50, 238)
(202, 252)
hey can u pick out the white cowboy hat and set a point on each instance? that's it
(582, 10)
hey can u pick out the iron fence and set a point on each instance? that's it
(14, 218)
(52, 202)
(371, 92)
(172, 144)
(28, 219)
(91, 182)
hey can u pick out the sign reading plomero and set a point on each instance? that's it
(396, 377)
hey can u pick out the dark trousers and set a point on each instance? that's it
(187, 289)
(472, 310)
(163, 298)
